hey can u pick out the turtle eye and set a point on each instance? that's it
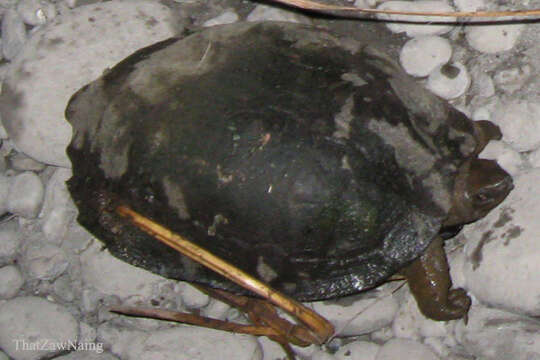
(482, 199)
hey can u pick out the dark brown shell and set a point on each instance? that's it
(320, 168)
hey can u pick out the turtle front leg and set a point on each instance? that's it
(429, 282)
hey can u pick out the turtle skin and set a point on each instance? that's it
(313, 163)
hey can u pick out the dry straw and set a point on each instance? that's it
(351, 11)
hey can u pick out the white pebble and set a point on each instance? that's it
(58, 209)
(534, 158)
(518, 121)
(508, 158)
(21, 162)
(405, 350)
(410, 323)
(508, 235)
(3, 133)
(65, 55)
(71, 3)
(64, 287)
(97, 354)
(192, 297)
(511, 80)
(10, 241)
(469, 5)
(358, 350)
(354, 315)
(272, 13)
(216, 309)
(270, 349)
(449, 81)
(117, 339)
(13, 34)
(495, 38)
(87, 333)
(11, 281)
(36, 12)
(26, 195)
(191, 342)
(35, 321)
(111, 276)
(499, 335)
(5, 183)
(228, 17)
(421, 55)
(45, 261)
(483, 85)
(417, 6)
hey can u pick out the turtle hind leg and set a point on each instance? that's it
(429, 282)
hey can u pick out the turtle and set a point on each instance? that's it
(311, 161)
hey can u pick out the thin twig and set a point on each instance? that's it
(320, 7)
(318, 330)
(191, 319)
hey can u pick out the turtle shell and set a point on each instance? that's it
(311, 162)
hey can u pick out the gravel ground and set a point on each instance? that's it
(56, 281)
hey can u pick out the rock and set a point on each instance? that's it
(492, 334)
(511, 80)
(28, 323)
(63, 287)
(117, 338)
(228, 17)
(420, 6)
(421, 55)
(45, 261)
(502, 267)
(11, 281)
(483, 85)
(36, 12)
(58, 209)
(449, 81)
(13, 34)
(508, 158)
(534, 159)
(88, 355)
(358, 350)
(62, 57)
(360, 314)
(271, 350)
(10, 241)
(5, 183)
(192, 297)
(405, 350)
(272, 13)
(111, 276)
(87, 333)
(190, 342)
(21, 162)
(409, 323)
(469, 5)
(25, 195)
(493, 39)
(320, 354)
(216, 310)
(518, 121)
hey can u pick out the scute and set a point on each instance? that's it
(253, 141)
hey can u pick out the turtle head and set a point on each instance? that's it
(480, 186)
